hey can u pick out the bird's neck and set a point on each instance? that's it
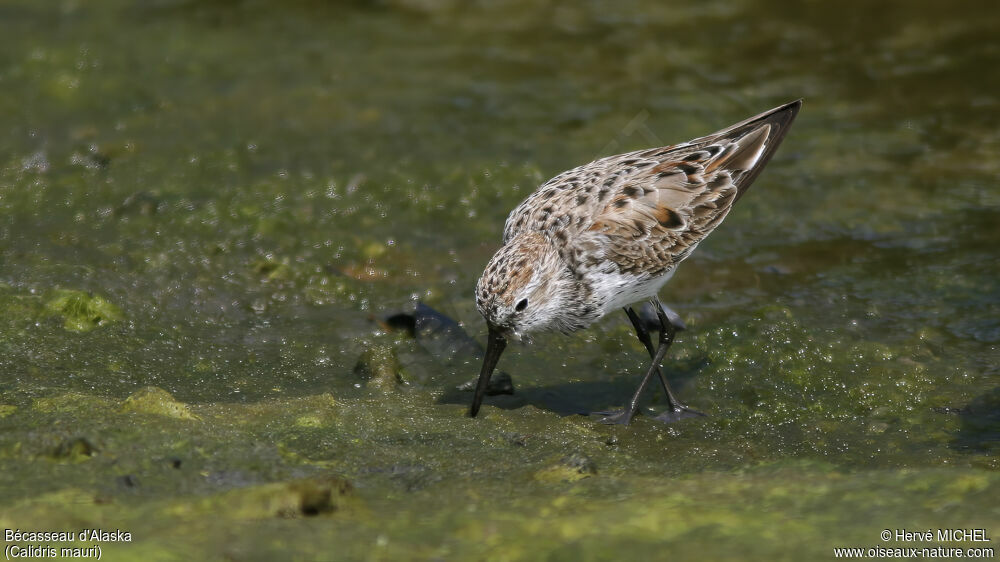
(574, 307)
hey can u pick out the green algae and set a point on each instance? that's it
(71, 403)
(379, 366)
(74, 450)
(229, 219)
(152, 400)
(256, 463)
(82, 311)
(569, 469)
(304, 497)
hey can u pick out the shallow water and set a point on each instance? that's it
(220, 199)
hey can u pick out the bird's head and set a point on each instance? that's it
(523, 289)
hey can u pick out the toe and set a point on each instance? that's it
(679, 414)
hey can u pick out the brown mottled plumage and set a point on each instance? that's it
(611, 232)
(646, 210)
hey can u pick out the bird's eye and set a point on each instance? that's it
(521, 305)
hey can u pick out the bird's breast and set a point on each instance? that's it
(615, 289)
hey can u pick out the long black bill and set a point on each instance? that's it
(494, 347)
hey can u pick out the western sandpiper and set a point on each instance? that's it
(610, 233)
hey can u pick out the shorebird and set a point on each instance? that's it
(611, 233)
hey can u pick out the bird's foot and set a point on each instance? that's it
(614, 417)
(678, 413)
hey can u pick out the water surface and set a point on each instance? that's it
(219, 199)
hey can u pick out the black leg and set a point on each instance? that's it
(643, 334)
(623, 417)
(675, 410)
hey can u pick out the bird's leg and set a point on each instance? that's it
(643, 334)
(623, 417)
(675, 410)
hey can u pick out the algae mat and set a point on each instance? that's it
(207, 208)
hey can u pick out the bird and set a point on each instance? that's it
(608, 234)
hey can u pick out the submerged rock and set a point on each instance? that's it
(500, 383)
(447, 341)
(154, 400)
(649, 318)
(443, 337)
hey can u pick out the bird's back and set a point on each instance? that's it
(643, 212)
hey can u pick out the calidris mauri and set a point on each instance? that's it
(610, 233)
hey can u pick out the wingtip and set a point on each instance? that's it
(779, 119)
(791, 108)
(781, 116)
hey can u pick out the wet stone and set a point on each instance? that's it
(647, 314)
(445, 340)
(438, 334)
(442, 336)
(500, 383)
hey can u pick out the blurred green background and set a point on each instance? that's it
(220, 199)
